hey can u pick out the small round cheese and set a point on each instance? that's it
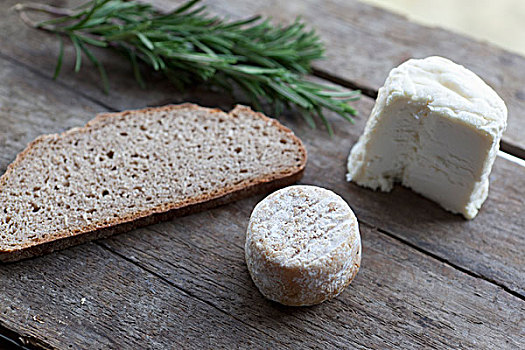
(302, 245)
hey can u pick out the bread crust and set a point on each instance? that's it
(161, 212)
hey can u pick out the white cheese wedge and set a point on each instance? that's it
(436, 128)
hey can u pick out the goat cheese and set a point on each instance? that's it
(436, 128)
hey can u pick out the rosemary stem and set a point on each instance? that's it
(267, 62)
(52, 10)
(22, 10)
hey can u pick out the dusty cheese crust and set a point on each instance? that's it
(302, 245)
(435, 128)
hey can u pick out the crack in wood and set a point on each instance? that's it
(187, 292)
(372, 93)
(447, 262)
(367, 91)
(61, 84)
(10, 339)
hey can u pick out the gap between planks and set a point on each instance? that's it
(187, 292)
(508, 152)
(15, 340)
(339, 81)
(515, 153)
(20, 341)
(448, 263)
(56, 81)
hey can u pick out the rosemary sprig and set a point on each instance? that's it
(267, 62)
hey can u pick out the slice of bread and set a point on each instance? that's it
(134, 168)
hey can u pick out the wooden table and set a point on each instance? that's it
(429, 279)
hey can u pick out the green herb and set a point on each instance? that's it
(267, 62)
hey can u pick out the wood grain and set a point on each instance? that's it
(400, 297)
(429, 278)
(185, 284)
(89, 298)
(363, 43)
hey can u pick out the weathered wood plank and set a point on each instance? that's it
(363, 44)
(478, 246)
(89, 298)
(400, 298)
(28, 109)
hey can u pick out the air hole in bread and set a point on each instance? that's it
(36, 208)
(113, 153)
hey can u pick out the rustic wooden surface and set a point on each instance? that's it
(366, 42)
(428, 278)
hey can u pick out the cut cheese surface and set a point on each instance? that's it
(435, 128)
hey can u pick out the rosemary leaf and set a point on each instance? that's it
(60, 58)
(266, 62)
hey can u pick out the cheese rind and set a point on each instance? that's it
(302, 245)
(436, 128)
